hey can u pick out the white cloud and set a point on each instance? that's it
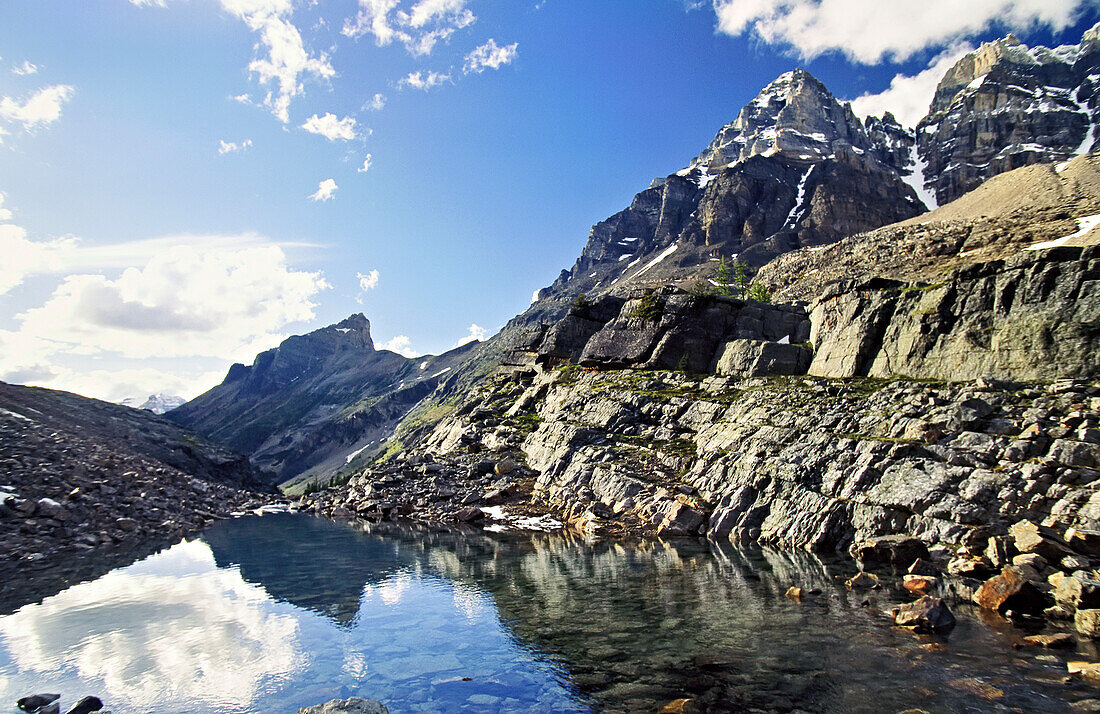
(489, 56)
(230, 147)
(368, 281)
(909, 96)
(475, 332)
(423, 80)
(5, 213)
(286, 60)
(419, 25)
(331, 127)
(868, 31)
(325, 191)
(149, 3)
(376, 103)
(24, 69)
(23, 257)
(121, 306)
(401, 345)
(43, 107)
(367, 163)
(188, 301)
(243, 99)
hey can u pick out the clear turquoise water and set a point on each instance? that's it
(270, 614)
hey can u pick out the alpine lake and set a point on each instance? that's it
(271, 613)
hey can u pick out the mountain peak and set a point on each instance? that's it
(794, 115)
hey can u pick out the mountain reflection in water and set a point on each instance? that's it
(272, 613)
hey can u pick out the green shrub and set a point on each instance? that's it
(759, 293)
(649, 309)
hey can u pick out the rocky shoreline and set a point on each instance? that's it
(78, 497)
(982, 492)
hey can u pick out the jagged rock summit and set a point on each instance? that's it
(795, 168)
(797, 116)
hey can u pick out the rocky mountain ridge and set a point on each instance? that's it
(317, 400)
(785, 187)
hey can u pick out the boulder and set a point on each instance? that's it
(968, 566)
(1075, 591)
(757, 358)
(469, 514)
(795, 593)
(897, 550)
(86, 705)
(504, 467)
(354, 705)
(682, 520)
(1087, 623)
(1010, 591)
(862, 580)
(1030, 537)
(36, 701)
(919, 584)
(921, 566)
(929, 614)
(1082, 541)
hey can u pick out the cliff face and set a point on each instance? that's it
(1033, 317)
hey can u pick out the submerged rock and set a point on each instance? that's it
(354, 705)
(87, 705)
(929, 614)
(36, 701)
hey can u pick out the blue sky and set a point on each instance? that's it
(157, 162)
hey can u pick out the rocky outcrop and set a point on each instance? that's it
(797, 461)
(671, 329)
(1004, 106)
(1035, 316)
(316, 401)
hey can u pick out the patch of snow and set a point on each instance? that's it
(1087, 143)
(625, 256)
(440, 373)
(423, 365)
(795, 214)
(977, 82)
(815, 248)
(355, 453)
(1084, 225)
(343, 329)
(629, 240)
(916, 180)
(664, 254)
(785, 341)
(16, 415)
(507, 522)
